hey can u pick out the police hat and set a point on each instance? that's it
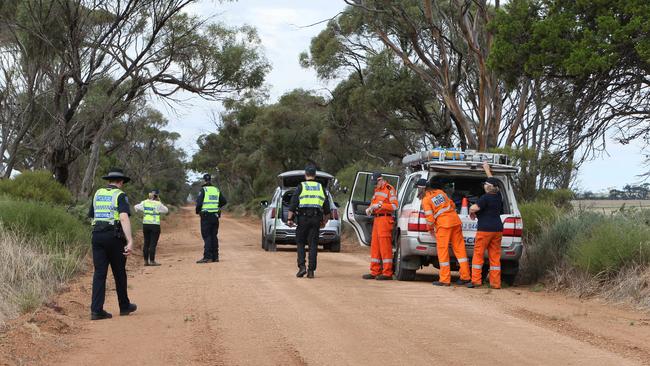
(207, 177)
(493, 181)
(116, 174)
(375, 177)
(310, 170)
(156, 192)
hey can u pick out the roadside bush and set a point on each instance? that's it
(610, 246)
(56, 229)
(36, 186)
(560, 198)
(537, 215)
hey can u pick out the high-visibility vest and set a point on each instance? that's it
(312, 195)
(210, 199)
(151, 214)
(105, 205)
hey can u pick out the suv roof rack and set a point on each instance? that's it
(457, 159)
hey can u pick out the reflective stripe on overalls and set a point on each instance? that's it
(151, 214)
(312, 195)
(210, 199)
(105, 205)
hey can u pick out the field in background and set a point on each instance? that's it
(607, 206)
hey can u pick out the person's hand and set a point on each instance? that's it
(323, 223)
(486, 165)
(472, 215)
(128, 248)
(369, 211)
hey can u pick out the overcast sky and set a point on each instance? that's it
(279, 23)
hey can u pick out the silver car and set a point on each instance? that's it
(413, 246)
(274, 228)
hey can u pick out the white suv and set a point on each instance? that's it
(413, 246)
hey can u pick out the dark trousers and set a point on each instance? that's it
(307, 233)
(209, 231)
(151, 234)
(107, 249)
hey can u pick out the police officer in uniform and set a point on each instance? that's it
(312, 207)
(208, 205)
(111, 243)
(151, 209)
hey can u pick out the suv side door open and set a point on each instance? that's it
(360, 197)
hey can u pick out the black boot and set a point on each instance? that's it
(302, 271)
(310, 273)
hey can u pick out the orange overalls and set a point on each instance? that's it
(492, 242)
(441, 214)
(381, 246)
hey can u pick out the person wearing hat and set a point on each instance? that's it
(111, 243)
(382, 207)
(311, 206)
(151, 208)
(445, 225)
(209, 203)
(489, 231)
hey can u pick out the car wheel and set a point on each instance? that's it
(335, 246)
(401, 273)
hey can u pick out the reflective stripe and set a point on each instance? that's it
(311, 206)
(387, 261)
(375, 260)
(477, 266)
(444, 264)
(443, 210)
(394, 206)
(462, 260)
(382, 194)
(428, 212)
(495, 268)
(393, 198)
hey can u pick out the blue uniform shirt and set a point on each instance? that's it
(489, 217)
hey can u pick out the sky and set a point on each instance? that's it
(281, 27)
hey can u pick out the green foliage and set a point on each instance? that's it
(536, 216)
(56, 229)
(560, 198)
(36, 186)
(614, 244)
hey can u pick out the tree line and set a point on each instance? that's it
(545, 81)
(77, 78)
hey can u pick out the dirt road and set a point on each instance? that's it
(250, 309)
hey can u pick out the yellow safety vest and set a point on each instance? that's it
(151, 214)
(312, 195)
(105, 205)
(210, 199)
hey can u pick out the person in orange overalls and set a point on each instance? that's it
(382, 207)
(489, 231)
(445, 225)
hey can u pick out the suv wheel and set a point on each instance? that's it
(401, 273)
(335, 246)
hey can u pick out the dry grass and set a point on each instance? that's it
(27, 274)
(609, 206)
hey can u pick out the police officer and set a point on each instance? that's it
(151, 208)
(208, 205)
(312, 208)
(111, 243)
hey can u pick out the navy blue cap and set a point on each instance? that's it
(207, 177)
(437, 182)
(375, 176)
(310, 170)
(155, 191)
(493, 181)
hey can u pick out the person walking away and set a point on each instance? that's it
(445, 225)
(111, 243)
(489, 231)
(312, 208)
(382, 207)
(151, 208)
(209, 203)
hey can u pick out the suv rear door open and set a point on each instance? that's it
(360, 197)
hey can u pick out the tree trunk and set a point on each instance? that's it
(93, 161)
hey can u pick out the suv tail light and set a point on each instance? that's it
(335, 214)
(417, 221)
(512, 226)
(273, 212)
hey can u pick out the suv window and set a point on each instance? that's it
(410, 190)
